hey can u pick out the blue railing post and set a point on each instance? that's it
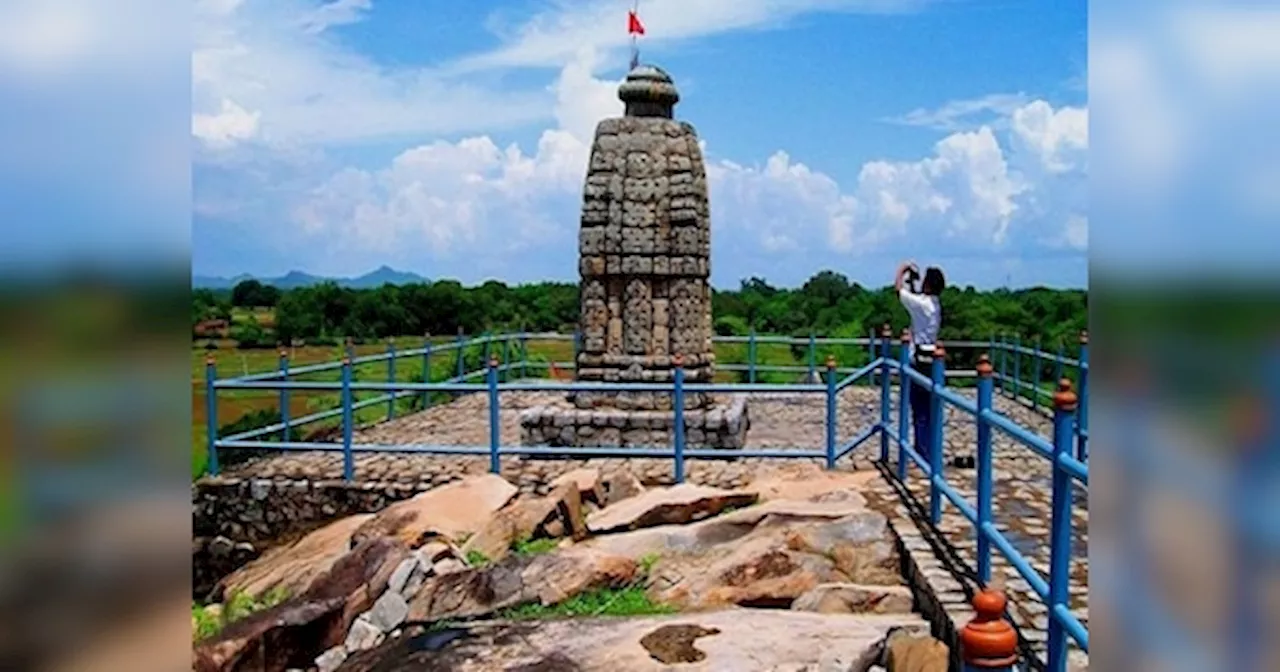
(1035, 376)
(1057, 368)
(1017, 367)
(1082, 415)
(813, 357)
(751, 356)
(988, 642)
(211, 413)
(349, 348)
(984, 468)
(426, 368)
(885, 334)
(1064, 409)
(506, 359)
(391, 377)
(677, 425)
(461, 364)
(524, 354)
(935, 434)
(904, 402)
(1004, 369)
(348, 420)
(831, 412)
(495, 463)
(284, 394)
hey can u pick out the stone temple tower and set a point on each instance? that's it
(645, 246)
(644, 262)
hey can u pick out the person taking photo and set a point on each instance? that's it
(925, 309)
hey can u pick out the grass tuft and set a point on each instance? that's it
(207, 623)
(477, 559)
(629, 601)
(534, 546)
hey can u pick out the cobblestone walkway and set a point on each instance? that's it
(1021, 493)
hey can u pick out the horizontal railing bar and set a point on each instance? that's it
(860, 373)
(530, 451)
(1072, 625)
(856, 441)
(956, 400)
(954, 496)
(1075, 468)
(1032, 441)
(911, 452)
(1018, 560)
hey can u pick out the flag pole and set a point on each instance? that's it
(635, 47)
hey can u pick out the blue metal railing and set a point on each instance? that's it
(1067, 408)
(1066, 450)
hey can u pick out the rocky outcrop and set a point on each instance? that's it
(620, 485)
(292, 568)
(452, 511)
(548, 579)
(702, 536)
(663, 506)
(555, 515)
(741, 640)
(852, 598)
(774, 565)
(289, 635)
(814, 485)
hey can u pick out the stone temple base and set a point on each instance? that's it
(723, 425)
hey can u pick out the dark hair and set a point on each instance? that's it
(933, 283)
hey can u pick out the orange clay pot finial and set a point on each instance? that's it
(989, 641)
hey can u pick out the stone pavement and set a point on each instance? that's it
(778, 421)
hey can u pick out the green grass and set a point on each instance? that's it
(477, 559)
(207, 624)
(534, 546)
(647, 562)
(629, 601)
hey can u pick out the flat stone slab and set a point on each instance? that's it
(724, 425)
(737, 640)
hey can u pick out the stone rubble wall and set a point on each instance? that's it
(719, 427)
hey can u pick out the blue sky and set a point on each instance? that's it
(450, 138)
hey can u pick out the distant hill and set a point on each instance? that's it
(294, 279)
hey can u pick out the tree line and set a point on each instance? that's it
(828, 304)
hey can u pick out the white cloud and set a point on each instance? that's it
(276, 59)
(553, 38)
(474, 196)
(231, 124)
(964, 114)
(1059, 139)
(1014, 178)
(336, 13)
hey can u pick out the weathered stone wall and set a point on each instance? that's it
(722, 426)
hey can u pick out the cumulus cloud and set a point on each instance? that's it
(475, 195)
(276, 60)
(1014, 179)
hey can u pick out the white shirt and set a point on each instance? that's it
(926, 317)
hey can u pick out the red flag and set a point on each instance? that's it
(633, 24)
